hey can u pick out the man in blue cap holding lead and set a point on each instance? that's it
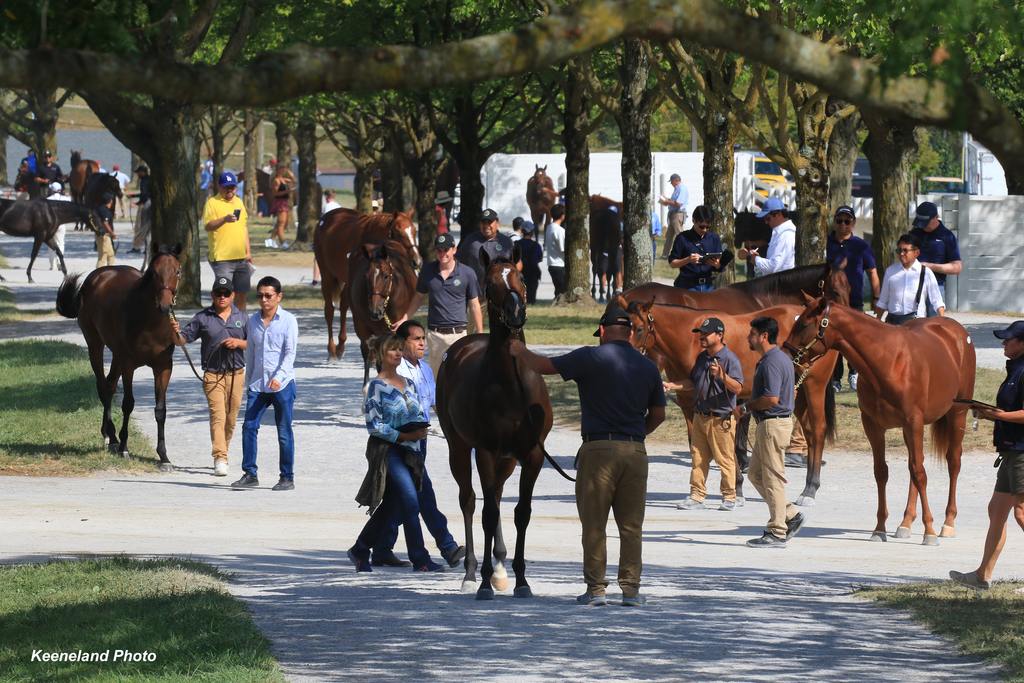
(782, 246)
(940, 252)
(226, 223)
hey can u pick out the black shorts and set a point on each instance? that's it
(1010, 477)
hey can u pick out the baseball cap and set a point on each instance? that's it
(711, 325)
(613, 315)
(222, 284)
(1014, 331)
(48, 153)
(528, 227)
(674, 176)
(925, 212)
(142, 169)
(56, 187)
(847, 210)
(770, 205)
(517, 223)
(444, 241)
(488, 215)
(227, 179)
(106, 198)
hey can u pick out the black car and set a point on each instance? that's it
(861, 186)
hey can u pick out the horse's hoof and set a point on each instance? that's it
(902, 532)
(166, 467)
(806, 501)
(126, 455)
(947, 532)
(112, 448)
(468, 585)
(930, 539)
(522, 592)
(485, 593)
(878, 536)
(500, 583)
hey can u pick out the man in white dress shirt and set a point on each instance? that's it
(782, 246)
(908, 285)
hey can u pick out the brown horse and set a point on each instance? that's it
(605, 226)
(128, 312)
(909, 377)
(81, 170)
(382, 283)
(337, 235)
(540, 197)
(39, 219)
(487, 401)
(666, 329)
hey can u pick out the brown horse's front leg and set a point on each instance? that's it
(328, 296)
(127, 406)
(161, 378)
(876, 437)
(36, 246)
(956, 424)
(485, 467)
(524, 509)
(913, 435)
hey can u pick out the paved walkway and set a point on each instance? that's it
(717, 611)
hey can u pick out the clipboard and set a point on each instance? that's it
(971, 403)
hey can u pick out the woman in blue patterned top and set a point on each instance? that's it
(391, 403)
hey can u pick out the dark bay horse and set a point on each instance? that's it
(382, 283)
(540, 197)
(39, 219)
(80, 171)
(128, 312)
(487, 401)
(337, 235)
(605, 245)
(666, 329)
(910, 376)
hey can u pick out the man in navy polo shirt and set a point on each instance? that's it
(940, 252)
(844, 245)
(698, 254)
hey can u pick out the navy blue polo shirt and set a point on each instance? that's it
(859, 258)
(208, 326)
(712, 396)
(617, 385)
(448, 297)
(1009, 436)
(938, 246)
(470, 249)
(687, 243)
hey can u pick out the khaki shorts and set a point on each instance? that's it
(1010, 477)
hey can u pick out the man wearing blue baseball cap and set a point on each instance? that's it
(782, 246)
(940, 252)
(226, 223)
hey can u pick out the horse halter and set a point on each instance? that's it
(384, 293)
(799, 353)
(649, 338)
(500, 310)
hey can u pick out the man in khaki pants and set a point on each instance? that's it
(771, 403)
(105, 237)
(221, 327)
(621, 401)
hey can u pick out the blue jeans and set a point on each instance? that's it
(256, 404)
(401, 502)
(701, 288)
(437, 523)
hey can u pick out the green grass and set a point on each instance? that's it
(179, 610)
(51, 417)
(9, 312)
(986, 624)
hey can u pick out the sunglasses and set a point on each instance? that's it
(262, 295)
(844, 221)
(911, 250)
(221, 294)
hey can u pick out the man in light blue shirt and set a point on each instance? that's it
(676, 212)
(272, 334)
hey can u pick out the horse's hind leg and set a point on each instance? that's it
(52, 244)
(36, 246)
(161, 378)
(127, 405)
(876, 437)
(107, 388)
(327, 287)
(103, 389)
(524, 508)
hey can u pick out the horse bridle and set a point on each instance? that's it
(799, 353)
(649, 334)
(502, 318)
(384, 293)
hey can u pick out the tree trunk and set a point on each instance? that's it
(309, 190)
(812, 203)
(217, 143)
(719, 166)
(251, 162)
(3, 155)
(472, 196)
(1014, 182)
(283, 133)
(391, 173)
(890, 148)
(577, 181)
(363, 188)
(426, 216)
(635, 130)
(42, 124)
(842, 154)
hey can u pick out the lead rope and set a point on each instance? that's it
(188, 357)
(529, 418)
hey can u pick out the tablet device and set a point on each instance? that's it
(413, 426)
(971, 403)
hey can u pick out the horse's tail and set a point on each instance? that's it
(830, 413)
(69, 296)
(942, 436)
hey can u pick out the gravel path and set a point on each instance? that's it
(717, 610)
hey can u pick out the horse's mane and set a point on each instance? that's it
(786, 282)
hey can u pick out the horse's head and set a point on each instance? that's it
(506, 293)
(641, 319)
(165, 273)
(381, 278)
(835, 286)
(811, 338)
(540, 176)
(404, 230)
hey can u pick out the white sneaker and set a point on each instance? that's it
(220, 468)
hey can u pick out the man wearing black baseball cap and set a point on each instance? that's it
(453, 289)
(1008, 439)
(489, 239)
(621, 402)
(940, 252)
(221, 329)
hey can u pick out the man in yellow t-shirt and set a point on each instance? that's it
(226, 222)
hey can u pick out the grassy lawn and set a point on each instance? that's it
(51, 419)
(179, 610)
(986, 624)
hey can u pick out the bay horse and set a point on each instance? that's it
(605, 227)
(383, 282)
(666, 329)
(487, 401)
(540, 197)
(337, 235)
(128, 312)
(80, 171)
(40, 219)
(909, 377)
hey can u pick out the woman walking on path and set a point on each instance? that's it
(394, 419)
(281, 186)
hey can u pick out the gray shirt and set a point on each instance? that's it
(774, 376)
(448, 297)
(471, 247)
(712, 396)
(213, 330)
